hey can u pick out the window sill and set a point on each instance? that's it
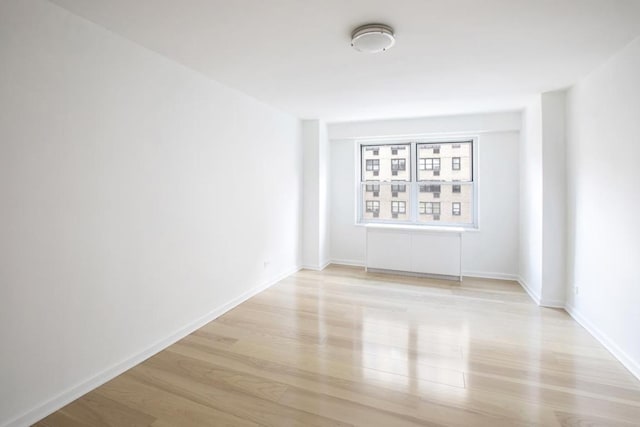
(412, 227)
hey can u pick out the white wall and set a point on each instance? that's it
(347, 239)
(553, 199)
(137, 197)
(530, 257)
(493, 250)
(543, 199)
(603, 203)
(316, 244)
(311, 193)
(324, 166)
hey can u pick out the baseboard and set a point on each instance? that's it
(316, 267)
(73, 393)
(552, 303)
(534, 296)
(632, 365)
(349, 262)
(488, 275)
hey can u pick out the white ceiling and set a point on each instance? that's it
(451, 56)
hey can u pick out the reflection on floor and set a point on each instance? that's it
(345, 347)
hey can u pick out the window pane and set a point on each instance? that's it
(445, 162)
(389, 205)
(445, 206)
(386, 162)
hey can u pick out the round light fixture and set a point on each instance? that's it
(372, 38)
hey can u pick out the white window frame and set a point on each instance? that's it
(413, 185)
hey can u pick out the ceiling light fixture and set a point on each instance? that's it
(372, 38)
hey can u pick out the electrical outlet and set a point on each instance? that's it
(266, 264)
(576, 289)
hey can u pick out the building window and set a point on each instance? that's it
(429, 164)
(373, 165)
(430, 208)
(398, 164)
(455, 208)
(373, 207)
(398, 207)
(434, 188)
(374, 189)
(455, 163)
(411, 185)
(398, 188)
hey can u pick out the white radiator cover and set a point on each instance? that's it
(415, 249)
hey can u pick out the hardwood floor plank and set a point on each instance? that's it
(97, 410)
(167, 407)
(242, 405)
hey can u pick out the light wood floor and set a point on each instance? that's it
(343, 347)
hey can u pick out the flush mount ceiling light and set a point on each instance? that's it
(372, 38)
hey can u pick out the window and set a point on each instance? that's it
(373, 188)
(398, 164)
(398, 207)
(455, 163)
(430, 208)
(430, 188)
(373, 207)
(398, 188)
(412, 187)
(429, 164)
(378, 164)
(373, 165)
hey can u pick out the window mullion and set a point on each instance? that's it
(413, 216)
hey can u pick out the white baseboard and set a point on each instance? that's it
(541, 301)
(552, 303)
(488, 275)
(349, 262)
(534, 296)
(73, 393)
(632, 365)
(316, 267)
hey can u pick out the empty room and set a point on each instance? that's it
(319, 213)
